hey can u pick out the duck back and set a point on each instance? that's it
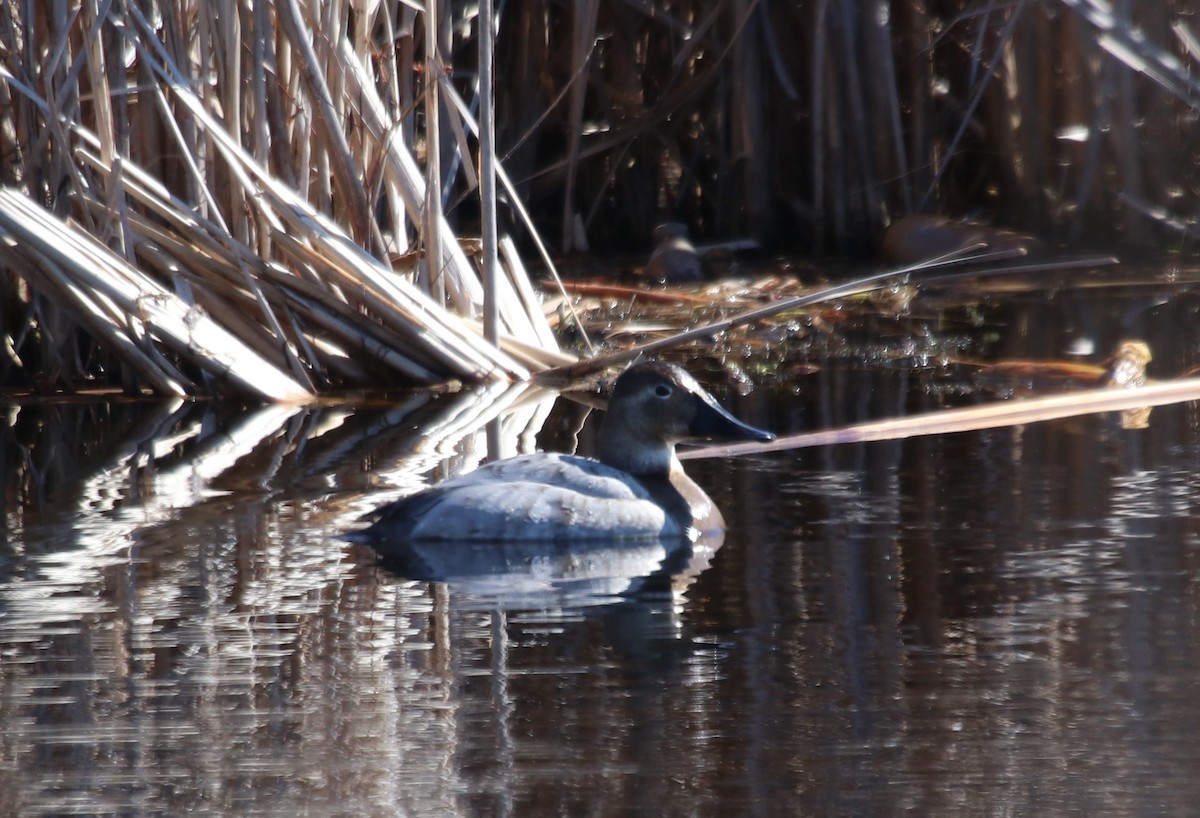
(537, 497)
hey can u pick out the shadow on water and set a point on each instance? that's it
(1002, 621)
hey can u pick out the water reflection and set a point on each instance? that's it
(181, 624)
(549, 576)
(995, 622)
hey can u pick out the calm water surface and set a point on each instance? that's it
(998, 623)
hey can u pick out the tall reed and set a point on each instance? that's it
(811, 125)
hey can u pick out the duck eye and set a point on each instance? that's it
(662, 391)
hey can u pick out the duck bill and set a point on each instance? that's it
(712, 420)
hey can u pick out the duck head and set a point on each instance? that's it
(655, 405)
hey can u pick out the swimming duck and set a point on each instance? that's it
(675, 258)
(637, 488)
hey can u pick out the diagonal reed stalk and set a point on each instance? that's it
(992, 416)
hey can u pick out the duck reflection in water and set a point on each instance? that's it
(636, 491)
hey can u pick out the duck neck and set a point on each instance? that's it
(640, 458)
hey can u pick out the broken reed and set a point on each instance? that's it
(258, 161)
(234, 207)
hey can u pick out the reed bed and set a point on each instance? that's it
(304, 177)
(224, 197)
(813, 124)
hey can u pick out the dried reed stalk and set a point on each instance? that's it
(992, 416)
(238, 152)
(1042, 115)
(128, 306)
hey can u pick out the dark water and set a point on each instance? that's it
(995, 623)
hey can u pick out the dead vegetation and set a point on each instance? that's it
(271, 198)
(232, 205)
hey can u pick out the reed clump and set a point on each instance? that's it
(204, 197)
(270, 198)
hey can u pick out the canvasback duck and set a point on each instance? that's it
(637, 488)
